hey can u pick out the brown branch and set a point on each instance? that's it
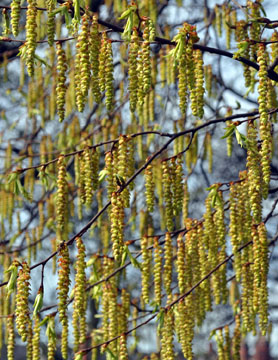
(44, 165)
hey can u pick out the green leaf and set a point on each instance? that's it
(238, 105)
(41, 60)
(13, 269)
(133, 261)
(12, 177)
(212, 333)
(50, 330)
(229, 131)
(124, 256)
(21, 190)
(160, 319)
(44, 321)
(242, 47)
(101, 176)
(77, 16)
(127, 12)
(241, 139)
(38, 302)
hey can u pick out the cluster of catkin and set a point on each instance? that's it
(190, 70)
(140, 69)
(250, 262)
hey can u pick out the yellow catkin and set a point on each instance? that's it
(61, 81)
(117, 225)
(167, 194)
(132, 70)
(122, 170)
(150, 186)
(61, 198)
(36, 339)
(88, 174)
(229, 139)
(218, 19)
(15, 16)
(183, 83)
(220, 344)
(123, 353)
(11, 337)
(265, 126)
(263, 292)
(50, 332)
(109, 77)
(50, 21)
(168, 257)
(22, 294)
(146, 271)
(31, 36)
(102, 61)
(254, 173)
(246, 292)
(29, 346)
(255, 28)
(85, 72)
(236, 339)
(63, 288)
(227, 24)
(199, 76)
(80, 300)
(241, 34)
(181, 264)
(219, 220)
(177, 185)
(167, 346)
(95, 42)
(234, 193)
(204, 267)
(157, 270)
(256, 267)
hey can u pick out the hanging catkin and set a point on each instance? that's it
(80, 297)
(22, 295)
(61, 81)
(31, 36)
(15, 16)
(95, 42)
(63, 288)
(109, 77)
(132, 70)
(61, 197)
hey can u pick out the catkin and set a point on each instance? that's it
(31, 36)
(61, 197)
(146, 271)
(265, 126)
(11, 337)
(132, 70)
(150, 186)
(168, 256)
(61, 81)
(15, 16)
(63, 288)
(22, 294)
(80, 301)
(95, 42)
(109, 77)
